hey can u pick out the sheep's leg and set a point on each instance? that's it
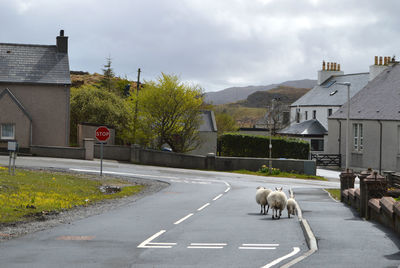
(288, 213)
(261, 212)
(264, 209)
(267, 209)
(280, 214)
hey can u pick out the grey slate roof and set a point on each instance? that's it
(379, 100)
(208, 122)
(307, 128)
(320, 94)
(21, 63)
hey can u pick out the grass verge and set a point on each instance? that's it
(281, 174)
(335, 193)
(30, 194)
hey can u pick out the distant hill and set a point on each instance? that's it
(234, 94)
(287, 95)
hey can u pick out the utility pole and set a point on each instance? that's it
(136, 107)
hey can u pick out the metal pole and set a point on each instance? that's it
(15, 156)
(348, 128)
(136, 107)
(9, 164)
(101, 159)
(270, 135)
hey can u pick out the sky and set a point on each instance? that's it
(212, 43)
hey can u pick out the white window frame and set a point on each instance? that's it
(2, 136)
(358, 137)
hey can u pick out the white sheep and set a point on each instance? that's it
(277, 201)
(261, 198)
(291, 204)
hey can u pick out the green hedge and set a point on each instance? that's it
(240, 145)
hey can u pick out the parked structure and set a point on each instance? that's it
(325, 98)
(34, 93)
(374, 121)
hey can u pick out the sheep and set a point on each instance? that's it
(291, 204)
(261, 198)
(277, 201)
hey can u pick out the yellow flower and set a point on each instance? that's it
(54, 178)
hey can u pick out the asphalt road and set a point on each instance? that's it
(203, 219)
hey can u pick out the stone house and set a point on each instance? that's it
(208, 135)
(35, 93)
(323, 100)
(374, 122)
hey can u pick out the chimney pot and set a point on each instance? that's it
(376, 60)
(380, 60)
(61, 32)
(323, 65)
(328, 66)
(338, 67)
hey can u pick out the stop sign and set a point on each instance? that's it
(102, 134)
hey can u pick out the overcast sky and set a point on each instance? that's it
(213, 43)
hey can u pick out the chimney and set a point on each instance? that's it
(332, 69)
(62, 43)
(378, 67)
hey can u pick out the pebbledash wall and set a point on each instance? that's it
(138, 155)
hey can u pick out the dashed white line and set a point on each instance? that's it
(184, 218)
(217, 197)
(259, 246)
(207, 245)
(203, 207)
(148, 244)
(228, 189)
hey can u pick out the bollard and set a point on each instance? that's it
(346, 181)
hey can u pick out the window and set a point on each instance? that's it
(317, 145)
(306, 115)
(297, 115)
(314, 114)
(358, 137)
(329, 112)
(7, 131)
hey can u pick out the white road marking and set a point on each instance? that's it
(148, 244)
(203, 207)
(294, 252)
(259, 246)
(207, 245)
(227, 190)
(217, 197)
(184, 218)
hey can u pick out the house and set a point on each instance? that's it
(374, 137)
(311, 130)
(208, 135)
(34, 93)
(323, 100)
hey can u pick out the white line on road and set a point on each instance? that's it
(147, 243)
(257, 247)
(294, 252)
(227, 190)
(184, 218)
(217, 197)
(260, 245)
(203, 207)
(207, 245)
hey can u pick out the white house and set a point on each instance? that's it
(374, 122)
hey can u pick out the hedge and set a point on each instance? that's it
(240, 145)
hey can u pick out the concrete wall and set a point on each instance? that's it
(48, 105)
(12, 114)
(369, 157)
(208, 143)
(119, 153)
(56, 151)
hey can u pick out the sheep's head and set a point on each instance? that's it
(260, 187)
(279, 189)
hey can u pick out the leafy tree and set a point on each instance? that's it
(171, 111)
(108, 81)
(225, 123)
(94, 105)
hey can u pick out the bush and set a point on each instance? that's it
(240, 145)
(274, 171)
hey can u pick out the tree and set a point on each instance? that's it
(94, 105)
(275, 114)
(225, 123)
(171, 110)
(108, 81)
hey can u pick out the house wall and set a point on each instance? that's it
(48, 105)
(208, 143)
(321, 115)
(11, 113)
(369, 157)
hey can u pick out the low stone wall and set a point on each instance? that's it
(112, 152)
(60, 152)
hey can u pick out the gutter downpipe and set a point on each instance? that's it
(380, 147)
(340, 141)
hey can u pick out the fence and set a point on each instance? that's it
(327, 159)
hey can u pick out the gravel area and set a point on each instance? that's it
(50, 220)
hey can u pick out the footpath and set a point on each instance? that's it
(343, 238)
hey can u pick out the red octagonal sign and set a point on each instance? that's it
(102, 134)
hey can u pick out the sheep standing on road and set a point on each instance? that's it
(277, 201)
(261, 198)
(291, 204)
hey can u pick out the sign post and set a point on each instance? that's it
(12, 148)
(102, 135)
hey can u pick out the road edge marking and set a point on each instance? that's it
(217, 197)
(203, 207)
(145, 243)
(294, 252)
